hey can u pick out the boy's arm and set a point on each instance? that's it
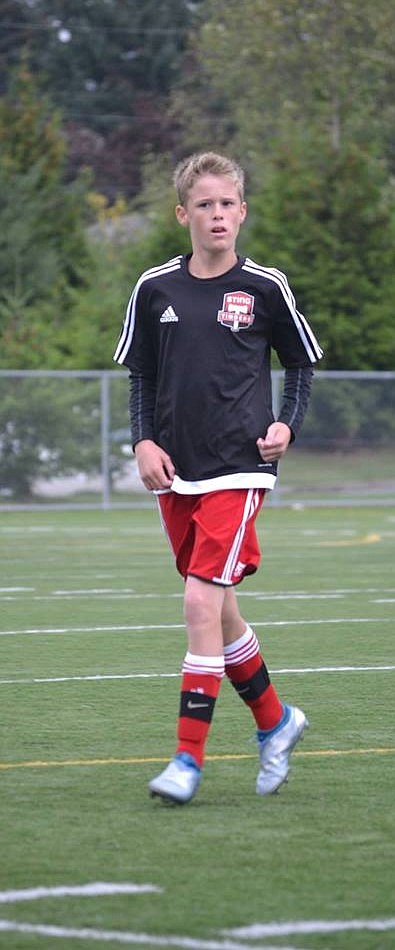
(296, 393)
(142, 393)
(155, 466)
(156, 469)
(135, 349)
(296, 396)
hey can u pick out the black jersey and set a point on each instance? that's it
(198, 351)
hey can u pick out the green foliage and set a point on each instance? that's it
(51, 426)
(98, 309)
(300, 93)
(43, 250)
(346, 414)
(326, 217)
(259, 67)
(100, 57)
(47, 427)
(164, 237)
(30, 131)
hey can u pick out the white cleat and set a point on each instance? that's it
(179, 781)
(275, 749)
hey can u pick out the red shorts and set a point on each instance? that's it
(213, 536)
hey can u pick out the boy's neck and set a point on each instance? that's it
(211, 266)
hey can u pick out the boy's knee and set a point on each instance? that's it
(202, 601)
(195, 604)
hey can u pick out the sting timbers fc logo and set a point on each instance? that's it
(237, 311)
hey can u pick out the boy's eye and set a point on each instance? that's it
(226, 202)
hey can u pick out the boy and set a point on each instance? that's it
(197, 338)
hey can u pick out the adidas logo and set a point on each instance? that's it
(169, 316)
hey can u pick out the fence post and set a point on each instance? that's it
(105, 438)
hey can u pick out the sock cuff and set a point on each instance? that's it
(242, 649)
(209, 665)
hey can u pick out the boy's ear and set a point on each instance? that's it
(182, 216)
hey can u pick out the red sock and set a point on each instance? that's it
(248, 674)
(199, 691)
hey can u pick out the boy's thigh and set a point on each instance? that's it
(213, 535)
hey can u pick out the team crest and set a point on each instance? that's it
(237, 311)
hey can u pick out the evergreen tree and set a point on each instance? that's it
(43, 250)
(99, 307)
(326, 217)
(258, 68)
(109, 65)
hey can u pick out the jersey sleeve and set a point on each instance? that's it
(296, 397)
(126, 335)
(142, 396)
(292, 337)
(135, 346)
(136, 350)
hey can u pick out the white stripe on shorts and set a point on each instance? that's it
(251, 504)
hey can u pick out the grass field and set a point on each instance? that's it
(338, 476)
(91, 640)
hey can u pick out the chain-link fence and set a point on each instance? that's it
(64, 441)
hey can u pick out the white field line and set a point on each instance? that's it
(131, 939)
(124, 628)
(255, 931)
(100, 889)
(9, 593)
(50, 598)
(19, 590)
(67, 530)
(99, 677)
(124, 594)
(322, 594)
(96, 889)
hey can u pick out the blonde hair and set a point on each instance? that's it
(205, 163)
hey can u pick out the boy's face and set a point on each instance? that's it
(213, 212)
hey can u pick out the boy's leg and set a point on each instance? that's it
(279, 727)
(203, 666)
(224, 548)
(202, 672)
(246, 668)
(214, 542)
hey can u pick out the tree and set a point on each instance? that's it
(326, 217)
(292, 91)
(43, 251)
(257, 68)
(98, 56)
(99, 307)
(47, 428)
(15, 33)
(109, 65)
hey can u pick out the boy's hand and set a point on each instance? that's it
(155, 466)
(275, 443)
